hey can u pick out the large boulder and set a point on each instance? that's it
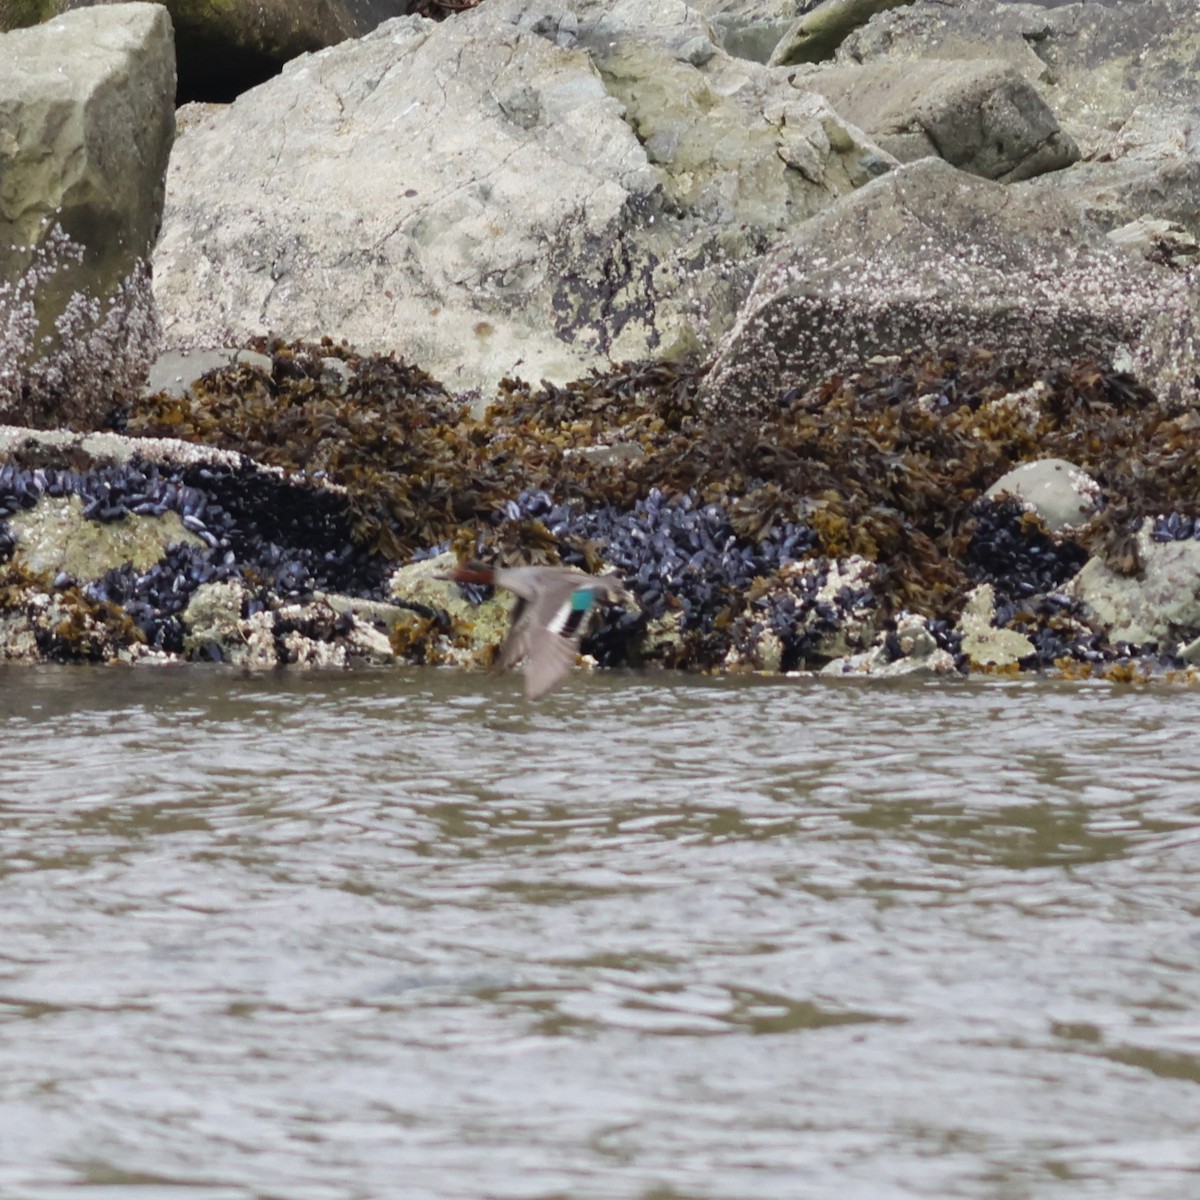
(927, 257)
(83, 156)
(520, 189)
(1120, 76)
(983, 117)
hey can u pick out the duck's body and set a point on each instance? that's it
(548, 617)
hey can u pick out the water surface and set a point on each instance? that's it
(403, 934)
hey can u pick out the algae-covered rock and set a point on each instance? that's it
(53, 536)
(474, 630)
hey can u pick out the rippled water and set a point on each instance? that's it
(329, 937)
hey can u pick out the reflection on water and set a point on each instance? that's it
(331, 937)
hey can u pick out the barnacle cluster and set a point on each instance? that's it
(65, 369)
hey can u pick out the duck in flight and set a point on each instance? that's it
(548, 617)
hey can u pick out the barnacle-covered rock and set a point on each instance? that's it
(126, 534)
(808, 613)
(930, 257)
(82, 158)
(986, 646)
(911, 648)
(1160, 603)
(222, 624)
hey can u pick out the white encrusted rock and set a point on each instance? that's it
(1062, 494)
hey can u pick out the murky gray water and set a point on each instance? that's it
(404, 935)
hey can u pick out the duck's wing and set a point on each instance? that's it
(544, 634)
(548, 662)
(516, 644)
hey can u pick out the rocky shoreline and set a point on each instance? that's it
(821, 407)
(890, 521)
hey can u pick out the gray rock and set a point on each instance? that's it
(928, 256)
(82, 201)
(1062, 494)
(525, 189)
(816, 34)
(749, 28)
(983, 117)
(1120, 77)
(1160, 605)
